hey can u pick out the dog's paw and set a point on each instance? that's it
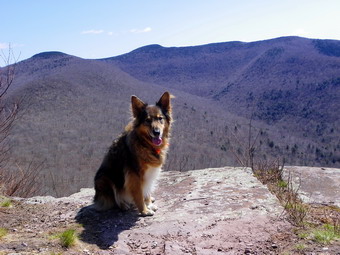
(147, 212)
(153, 207)
(152, 199)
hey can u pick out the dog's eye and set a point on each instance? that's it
(160, 118)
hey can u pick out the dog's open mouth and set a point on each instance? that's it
(157, 141)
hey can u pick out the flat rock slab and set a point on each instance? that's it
(210, 211)
(316, 184)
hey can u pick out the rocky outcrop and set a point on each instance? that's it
(316, 184)
(200, 212)
(211, 211)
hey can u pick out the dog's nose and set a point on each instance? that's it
(156, 132)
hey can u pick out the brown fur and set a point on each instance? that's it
(130, 167)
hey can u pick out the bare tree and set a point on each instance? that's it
(24, 181)
(7, 112)
(243, 144)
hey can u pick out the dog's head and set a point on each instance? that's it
(152, 121)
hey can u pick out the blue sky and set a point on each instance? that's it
(104, 28)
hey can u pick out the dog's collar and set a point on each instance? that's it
(158, 151)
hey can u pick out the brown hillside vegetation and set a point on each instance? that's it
(73, 108)
(291, 83)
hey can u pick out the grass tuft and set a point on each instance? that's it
(282, 184)
(326, 234)
(3, 232)
(6, 202)
(300, 247)
(303, 235)
(68, 238)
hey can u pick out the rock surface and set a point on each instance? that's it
(211, 211)
(200, 212)
(316, 184)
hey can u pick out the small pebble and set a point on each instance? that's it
(154, 245)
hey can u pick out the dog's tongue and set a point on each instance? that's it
(157, 141)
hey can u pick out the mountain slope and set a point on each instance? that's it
(291, 83)
(73, 108)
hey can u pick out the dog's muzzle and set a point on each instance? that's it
(156, 137)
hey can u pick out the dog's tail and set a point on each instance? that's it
(104, 198)
(103, 202)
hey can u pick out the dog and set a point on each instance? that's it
(128, 171)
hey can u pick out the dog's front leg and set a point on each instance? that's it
(136, 191)
(149, 203)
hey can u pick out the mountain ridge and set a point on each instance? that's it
(74, 107)
(254, 77)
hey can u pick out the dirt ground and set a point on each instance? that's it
(210, 211)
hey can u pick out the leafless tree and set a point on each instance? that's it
(244, 147)
(7, 112)
(25, 181)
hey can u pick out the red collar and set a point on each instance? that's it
(158, 151)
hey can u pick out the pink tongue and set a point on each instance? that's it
(157, 141)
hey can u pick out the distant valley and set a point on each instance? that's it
(287, 88)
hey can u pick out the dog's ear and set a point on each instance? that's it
(164, 102)
(137, 106)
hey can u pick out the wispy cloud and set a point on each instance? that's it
(110, 33)
(10, 45)
(139, 31)
(301, 32)
(3, 46)
(93, 32)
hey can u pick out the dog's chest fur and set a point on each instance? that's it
(149, 179)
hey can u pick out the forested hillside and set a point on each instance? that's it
(72, 108)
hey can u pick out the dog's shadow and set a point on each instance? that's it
(103, 228)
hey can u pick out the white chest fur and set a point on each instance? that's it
(149, 181)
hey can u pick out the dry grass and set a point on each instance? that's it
(316, 224)
(270, 173)
(23, 182)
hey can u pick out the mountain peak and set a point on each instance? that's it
(50, 54)
(148, 48)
